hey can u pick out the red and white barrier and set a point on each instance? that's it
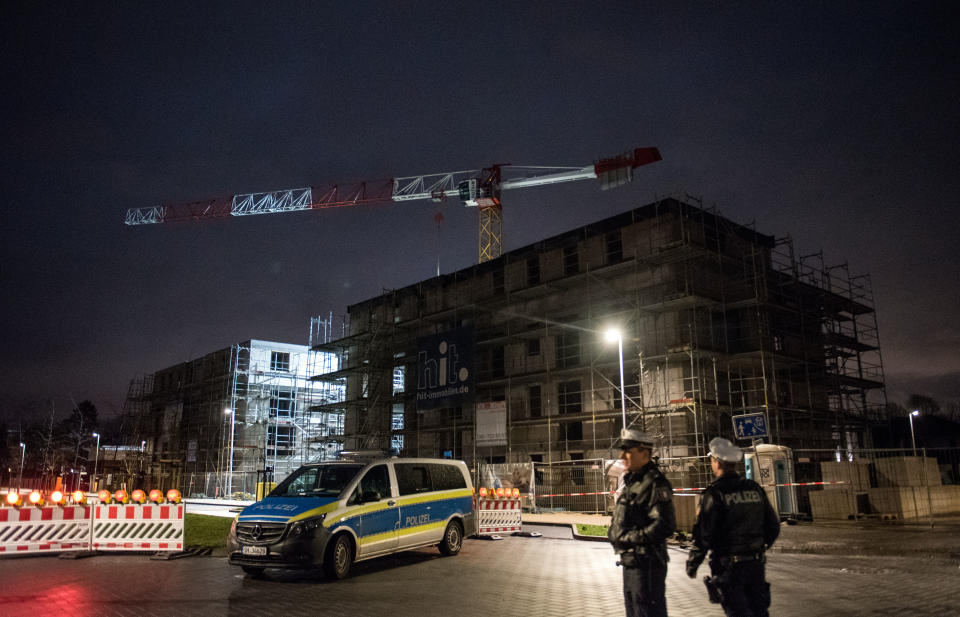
(46, 529)
(498, 515)
(125, 527)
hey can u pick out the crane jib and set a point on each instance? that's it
(473, 184)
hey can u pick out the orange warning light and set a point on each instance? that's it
(79, 497)
(173, 496)
(36, 498)
(58, 498)
(483, 491)
(138, 496)
(500, 492)
(516, 493)
(13, 498)
(121, 496)
(104, 496)
(156, 496)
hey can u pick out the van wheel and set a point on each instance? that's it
(452, 539)
(339, 558)
(253, 571)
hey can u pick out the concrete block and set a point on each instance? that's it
(906, 502)
(685, 506)
(830, 504)
(907, 471)
(945, 499)
(856, 474)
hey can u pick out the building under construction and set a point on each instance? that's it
(224, 422)
(716, 320)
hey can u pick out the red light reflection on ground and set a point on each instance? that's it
(67, 597)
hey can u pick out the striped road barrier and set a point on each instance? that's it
(44, 529)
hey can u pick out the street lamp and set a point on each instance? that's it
(233, 417)
(915, 412)
(96, 459)
(143, 445)
(23, 450)
(614, 335)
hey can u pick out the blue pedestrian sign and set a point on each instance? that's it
(750, 425)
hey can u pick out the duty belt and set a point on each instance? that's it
(744, 557)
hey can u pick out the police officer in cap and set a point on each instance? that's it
(643, 519)
(735, 524)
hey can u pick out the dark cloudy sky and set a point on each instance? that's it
(836, 123)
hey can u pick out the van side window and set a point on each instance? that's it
(412, 478)
(376, 479)
(446, 477)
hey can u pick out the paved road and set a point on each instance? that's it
(516, 576)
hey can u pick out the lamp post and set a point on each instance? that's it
(614, 335)
(96, 459)
(913, 440)
(23, 451)
(233, 416)
(143, 445)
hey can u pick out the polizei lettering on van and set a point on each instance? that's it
(413, 521)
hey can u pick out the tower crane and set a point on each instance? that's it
(476, 188)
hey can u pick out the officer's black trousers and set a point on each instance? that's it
(644, 588)
(746, 592)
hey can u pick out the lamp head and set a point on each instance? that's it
(915, 412)
(612, 335)
(228, 411)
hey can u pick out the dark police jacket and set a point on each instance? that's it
(643, 517)
(735, 519)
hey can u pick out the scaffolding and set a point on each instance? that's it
(248, 403)
(717, 320)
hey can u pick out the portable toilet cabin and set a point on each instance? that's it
(771, 466)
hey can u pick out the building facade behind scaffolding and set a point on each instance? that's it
(251, 401)
(716, 320)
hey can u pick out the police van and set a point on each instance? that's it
(335, 513)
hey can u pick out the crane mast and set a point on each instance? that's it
(475, 188)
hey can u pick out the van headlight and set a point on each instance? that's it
(306, 525)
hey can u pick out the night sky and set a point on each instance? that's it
(836, 123)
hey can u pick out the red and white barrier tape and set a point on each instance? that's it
(805, 484)
(687, 490)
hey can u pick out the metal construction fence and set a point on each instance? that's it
(883, 483)
(822, 484)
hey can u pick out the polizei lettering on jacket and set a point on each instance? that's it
(742, 497)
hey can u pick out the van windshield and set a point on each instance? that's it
(319, 481)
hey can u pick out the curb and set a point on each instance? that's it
(573, 531)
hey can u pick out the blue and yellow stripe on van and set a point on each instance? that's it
(409, 515)
(287, 509)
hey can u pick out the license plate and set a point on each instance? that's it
(253, 550)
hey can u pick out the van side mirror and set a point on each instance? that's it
(368, 496)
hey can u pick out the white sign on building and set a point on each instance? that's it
(492, 423)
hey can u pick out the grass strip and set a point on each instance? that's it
(206, 531)
(592, 530)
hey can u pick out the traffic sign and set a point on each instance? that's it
(750, 425)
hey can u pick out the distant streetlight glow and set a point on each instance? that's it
(614, 335)
(23, 450)
(233, 417)
(913, 440)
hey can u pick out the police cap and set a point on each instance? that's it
(724, 450)
(632, 438)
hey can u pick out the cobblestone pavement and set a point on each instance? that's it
(516, 576)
